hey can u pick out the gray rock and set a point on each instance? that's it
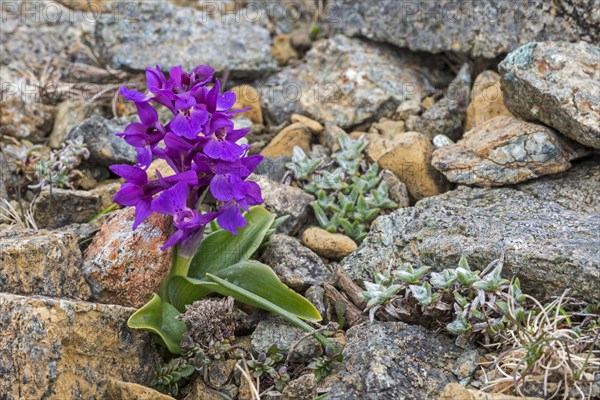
(396, 188)
(275, 330)
(173, 35)
(367, 81)
(69, 114)
(505, 150)
(285, 200)
(479, 29)
(550, 247)
(61, 349)
(105, 147)
(576, 189)
(392, 360)
(41, 263)
(273, 168)
(557, 83)
(447, 116)
(296, 266)
(25, 119)
(302, 388)
(60, 207)
(316, 295)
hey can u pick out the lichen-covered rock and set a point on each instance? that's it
(479, 29)
(505, 150)
(54, 208)
(24, 119)
(447, 116)
(557, 83)
(174, 35)
(124, 266)
(296, 266)
(393, 360)
(58, 349)
(550, 247)
(333, 246)
(302, 388)
(275, 330)
(367, 81)
(284, 142)
(487, 100)
(106, 148)
(285, 200)
(69, 114)
(41, 263)
(410, 161)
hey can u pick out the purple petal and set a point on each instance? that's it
(185, 101)
(198, 117)
(129, 195)
(253, 193)
(231, 218)
(144, 156)
(219, 123)
(134, 95)
(237, 134)
(142, 211)
(213, 96)
(226, 101)
(173, 240)
(176, 75)
(188, 177)
(181, 127)
(147, 114)
(130, 173)
(155, 79)
(172, 200)
(226, 187)
(223, 150)
(251, 162)
(203, 74)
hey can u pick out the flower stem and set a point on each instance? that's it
(181, 265)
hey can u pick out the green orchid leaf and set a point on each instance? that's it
(184, 291)
(159, 318)
(221, 249)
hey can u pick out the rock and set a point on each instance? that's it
(447, 116)
(286, 200)
(366, 82)
(302, 388)
(106, 148)
(124, 266)
(248, 96)
(297, 266)
(454, 391)
(42, 263)
(466, 364)
(388, 127)
(410, 161)
(479, 29)
(487, 100)
(59, 207)
(283, 143)
(200, 391)
(440, 141)
(379, 145)
(396, 188)
(331, 136)
(394, 360)
(301, 39)
(183, 36)
(90, 6)
(275, 330)
(312, 125)
(69, 114)
(106, 191)
(505, 151)
(549, 247)
(273, 168)
(316, 295)
(333, 246)
(160, 165)
(557, 83)
(60, 349)
(576, 189)
(25, 120)
(282, 49)
(408, 109)
(118, 390)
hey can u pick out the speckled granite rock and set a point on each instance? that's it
(275, 330)
(60, 207)
(557, 83)
(118, 390)
(124, 266)
(505, 150)
(173, 35)
(297, 266)
(447, 116)
(550, 247)
(106, 149)
(487, 100)
(367, 81)
(480, 29)
(42, 263)
(59, 349)
(392, 360)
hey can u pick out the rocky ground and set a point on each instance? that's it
(486, 130)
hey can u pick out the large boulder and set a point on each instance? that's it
(478, 28)
(393, 360)
(366, 81)
(550, 246)
(557, 83)
(172, 35)
(59, 349)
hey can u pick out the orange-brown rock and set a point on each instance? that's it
(283, 143)
(248, 96)
(487, 100)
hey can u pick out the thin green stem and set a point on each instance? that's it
(180, 267)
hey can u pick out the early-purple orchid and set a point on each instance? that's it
(202, 147)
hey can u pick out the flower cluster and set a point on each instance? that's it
(199, 143)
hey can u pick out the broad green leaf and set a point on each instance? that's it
(265, 288)
(221, 249)
(159, 317)
(184, 291)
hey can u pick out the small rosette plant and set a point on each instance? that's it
(209, 161)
